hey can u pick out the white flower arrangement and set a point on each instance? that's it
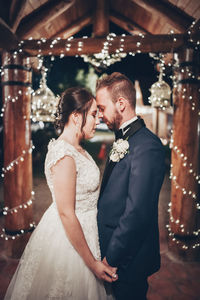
(119, 150)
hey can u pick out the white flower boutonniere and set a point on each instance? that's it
(119, 150)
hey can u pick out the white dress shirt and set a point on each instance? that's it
(127, 123)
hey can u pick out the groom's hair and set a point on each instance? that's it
(118, 85)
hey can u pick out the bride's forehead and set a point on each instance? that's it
(94, 105)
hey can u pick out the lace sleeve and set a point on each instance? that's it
(58, 150)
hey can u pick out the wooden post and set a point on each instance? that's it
(17, 138)
(184, 188)
(101, 19)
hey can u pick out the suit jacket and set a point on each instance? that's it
(128, 208)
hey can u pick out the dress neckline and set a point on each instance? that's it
(86, 157)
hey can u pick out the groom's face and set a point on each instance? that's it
(107, 109)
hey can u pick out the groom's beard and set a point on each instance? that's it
(115, 123)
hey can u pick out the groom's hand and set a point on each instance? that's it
(114, 269)
(103, 272)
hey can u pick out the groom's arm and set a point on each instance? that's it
(145, 180)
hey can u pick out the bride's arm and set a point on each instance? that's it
(64, 184)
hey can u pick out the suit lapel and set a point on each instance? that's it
(134, 127)
(108, 169)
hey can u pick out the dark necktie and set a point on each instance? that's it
(120, 133)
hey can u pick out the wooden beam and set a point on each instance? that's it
(173, 15)
(8, 39)
(101, 19)
(16, 13)
(41, 16)
(194, 28)
(74, 27)
(150, 43)
(126, 23)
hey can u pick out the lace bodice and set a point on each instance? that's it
(88, 175)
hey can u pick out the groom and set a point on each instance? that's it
(128, 202)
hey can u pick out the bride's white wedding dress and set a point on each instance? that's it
(50, 268)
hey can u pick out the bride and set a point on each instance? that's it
(62, 258)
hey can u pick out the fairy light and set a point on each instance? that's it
(186, 163)
(6, 210)
(19, 233)
(104, 59)
(187, 73)
(14, 99)
(184, 159)
(181, 243)
(190, 98)
(188, 194)
(16, 161)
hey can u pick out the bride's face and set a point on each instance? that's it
(92, 121)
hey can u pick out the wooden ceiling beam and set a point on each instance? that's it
(8, 39)
(74, 27)
(101, 19)
(172, 14)
(150, 43)
(41, 16)
(16, 13)
(126, 23)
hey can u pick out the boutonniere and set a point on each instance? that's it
(119, 150)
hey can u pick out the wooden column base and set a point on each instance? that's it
(15, 248)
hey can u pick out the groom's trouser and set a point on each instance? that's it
(130, 291)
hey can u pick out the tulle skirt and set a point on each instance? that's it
(50, 268)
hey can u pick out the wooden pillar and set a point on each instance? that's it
(101, 19)
(17, 142)
(184, 188)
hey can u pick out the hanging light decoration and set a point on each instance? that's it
(160, 93)
(44, 102)
(104, 59)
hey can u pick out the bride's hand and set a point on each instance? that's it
(104, 272)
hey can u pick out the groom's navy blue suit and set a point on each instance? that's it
(128, 207)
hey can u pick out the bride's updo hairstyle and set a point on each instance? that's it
(75, 99)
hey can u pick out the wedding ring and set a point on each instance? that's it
(114, 275)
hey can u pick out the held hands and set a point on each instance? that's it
(104, 272)
(113, 268)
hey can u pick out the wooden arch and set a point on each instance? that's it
(17, 78)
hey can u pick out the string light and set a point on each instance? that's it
(184, 158)
(186, 163)
(20, 232)
(14, 99)
(189, 194)
(104, 59)
(16, 161)
(6, 210)
(181, 243)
